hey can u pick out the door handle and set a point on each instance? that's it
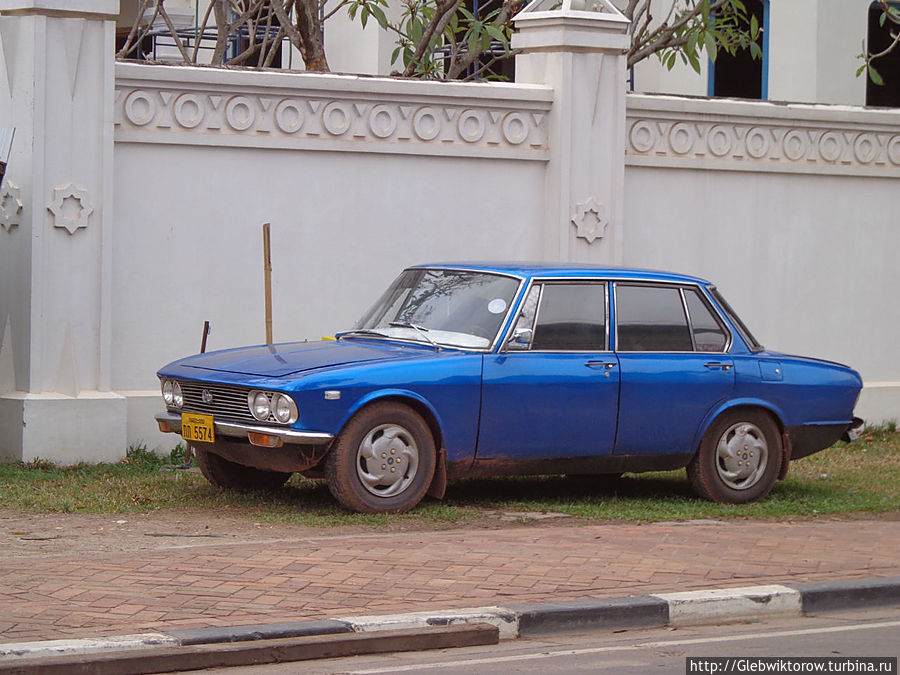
(715, 364)
(597, 364)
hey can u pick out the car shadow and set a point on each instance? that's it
(566, 489)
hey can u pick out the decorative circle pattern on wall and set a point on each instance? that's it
(783, 146)
(463, 129)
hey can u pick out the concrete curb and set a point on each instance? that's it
(525, 620)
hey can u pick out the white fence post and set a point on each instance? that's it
(577, 47)
(57, 88)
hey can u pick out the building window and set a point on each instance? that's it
(888, 67)
(742, 76)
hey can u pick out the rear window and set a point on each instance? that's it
(735, 320)
(709, 335)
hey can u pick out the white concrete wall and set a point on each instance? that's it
(358, 176)
(790, 210)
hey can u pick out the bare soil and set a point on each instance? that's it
(46, 534)
(24, 535)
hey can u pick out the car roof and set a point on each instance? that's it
(553, 269)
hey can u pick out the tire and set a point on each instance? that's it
(382, 461)
(739, 458)
(232, 476)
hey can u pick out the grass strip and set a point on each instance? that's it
(856, 478)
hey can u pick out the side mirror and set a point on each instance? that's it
(520, 338)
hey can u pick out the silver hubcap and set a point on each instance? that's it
(387, 460)
(742, 455)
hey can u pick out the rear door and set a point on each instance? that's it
(553, 391)
(672, 351)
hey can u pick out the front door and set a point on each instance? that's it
(553, 391)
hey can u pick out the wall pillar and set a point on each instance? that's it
(56, 89)
(578, 48)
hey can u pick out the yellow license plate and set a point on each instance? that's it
(195, 427)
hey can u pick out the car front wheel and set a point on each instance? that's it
(383, 460)
(739, 458)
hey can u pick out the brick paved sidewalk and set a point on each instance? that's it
(319, 577)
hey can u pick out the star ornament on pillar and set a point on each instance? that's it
(71, 208)
(590, 220)
(10, 206)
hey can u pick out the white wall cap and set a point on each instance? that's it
(567, 32)
(67, 7)
(578, 25)
(756, 111)
(330, 84)
(595, 8)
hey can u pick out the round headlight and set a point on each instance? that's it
(168, 392)
(177, 395)
(259, 405)
(285, 409)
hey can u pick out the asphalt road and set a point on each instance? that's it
(664, 650)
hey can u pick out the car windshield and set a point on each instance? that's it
(451, 308)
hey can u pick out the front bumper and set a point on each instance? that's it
(170, 422)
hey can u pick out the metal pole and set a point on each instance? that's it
(267, 273)
(205, 335)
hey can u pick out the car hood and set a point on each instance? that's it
(296, 357)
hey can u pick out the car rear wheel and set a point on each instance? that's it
(739, 458)
(232, 476)
(383, 460)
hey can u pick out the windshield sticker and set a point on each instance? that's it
(497, 306)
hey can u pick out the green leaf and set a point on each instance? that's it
(710, 43)
(754, 27)
(364, 15)
(875, 76)
(882, 19)
(695, 62)
(691, 45)
(379, 15)
(395, 55)
(673, 57)
(415, 31)
(496, 33)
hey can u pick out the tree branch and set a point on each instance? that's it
(443, 12)
(130, 42)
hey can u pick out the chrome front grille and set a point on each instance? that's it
(227, 402)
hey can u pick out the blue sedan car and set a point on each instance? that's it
(509, 369)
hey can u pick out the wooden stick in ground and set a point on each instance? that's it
(267, 272)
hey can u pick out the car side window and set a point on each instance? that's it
(571, 317)
(709, 335)
(651, 319)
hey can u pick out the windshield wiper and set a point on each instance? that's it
(421, 330)
(365, 332)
